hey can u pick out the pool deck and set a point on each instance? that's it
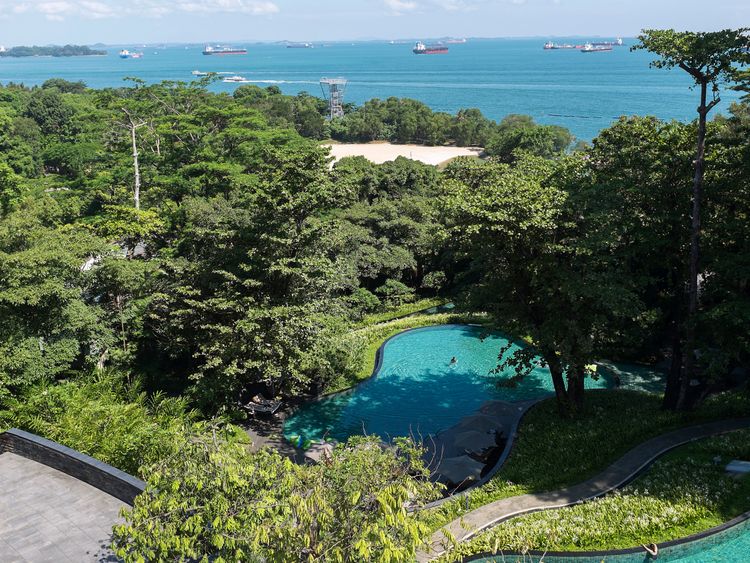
(268, 432)
(47, 515)
(616, 475)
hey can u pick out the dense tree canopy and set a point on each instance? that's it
(161, 240)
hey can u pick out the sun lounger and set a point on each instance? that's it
(261, 405)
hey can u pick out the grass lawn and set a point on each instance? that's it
(551, 452)
(683, 493)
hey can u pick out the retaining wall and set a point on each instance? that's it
(84, 468)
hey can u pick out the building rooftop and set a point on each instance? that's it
(47, 515)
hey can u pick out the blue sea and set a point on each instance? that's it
(584, 92)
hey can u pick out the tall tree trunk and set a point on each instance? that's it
(576, 379)
(676, 325)
(136, 169)
(558, 380)
(690, 321)
(674, 377)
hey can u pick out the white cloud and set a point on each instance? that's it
(456, 5)
(401, 6)
(58, 10)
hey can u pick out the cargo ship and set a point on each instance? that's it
(550, 45)
(209, 50)
(300, 46)
(125, 54)
(616, 43)
(422, 49)
(594, 48)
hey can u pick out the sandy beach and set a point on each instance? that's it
(383, 152)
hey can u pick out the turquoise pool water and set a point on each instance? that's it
(418, 391)
(729, 546)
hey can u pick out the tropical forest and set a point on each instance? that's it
(181, 269)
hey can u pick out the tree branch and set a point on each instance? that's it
(695, 73)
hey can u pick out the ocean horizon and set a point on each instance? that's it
(584, 92)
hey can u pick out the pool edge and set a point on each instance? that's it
(726, 526)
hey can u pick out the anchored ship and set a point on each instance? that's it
(593, 48)
(422, 49)
(209, 50)
(125, 54)
(615, 43)
(592, 45)
(550, 45)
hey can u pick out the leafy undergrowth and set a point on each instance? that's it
(684, 493)
(551, 452)
(401, 311)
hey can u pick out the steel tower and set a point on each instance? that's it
(333, 91)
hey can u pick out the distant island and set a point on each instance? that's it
(51, 51)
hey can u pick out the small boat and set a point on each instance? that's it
(422, 49)
(199, 73)
(590, 48)
(235, 78)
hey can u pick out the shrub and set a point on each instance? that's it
(395, 293)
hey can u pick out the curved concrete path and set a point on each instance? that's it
(616, 475)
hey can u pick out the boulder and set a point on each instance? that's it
(458, 470)
(480, 423)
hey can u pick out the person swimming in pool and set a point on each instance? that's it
(652, 550)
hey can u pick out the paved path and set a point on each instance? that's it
(46, 515)
(616, 475)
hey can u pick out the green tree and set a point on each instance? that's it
(50, 111)
(10, 189)
(520, 133)
(47, 327)
(711, 59)
(539, 266)
(214, 500)
(65, 86)
(249, 279)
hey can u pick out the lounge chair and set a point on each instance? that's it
(260, 405)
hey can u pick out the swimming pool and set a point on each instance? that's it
(418, 391)
(730, 544)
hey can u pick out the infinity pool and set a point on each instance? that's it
(418, 391)
(729, 546)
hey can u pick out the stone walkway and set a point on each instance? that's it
(46, 515)
(616, 475)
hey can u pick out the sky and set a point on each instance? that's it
(24, 22)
